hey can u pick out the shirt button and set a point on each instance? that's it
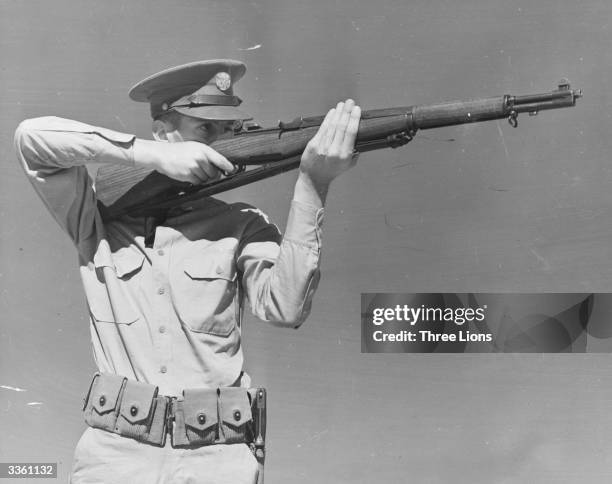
(219, 270)
(160, 252)
(160, 290)
(163, 369)
(162, 329)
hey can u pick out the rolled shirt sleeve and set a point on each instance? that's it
(280, 280)
(53, 152)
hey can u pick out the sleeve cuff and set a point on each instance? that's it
(304, 224)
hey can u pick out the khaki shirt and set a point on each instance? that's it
(170, 314)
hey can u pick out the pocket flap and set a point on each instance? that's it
(105, 392)
(235, 406)
(200, 408)
(137, 401)
(127, 260)
(213, 266)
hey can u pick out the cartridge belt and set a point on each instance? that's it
(203, 416)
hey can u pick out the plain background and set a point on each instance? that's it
(476, 208)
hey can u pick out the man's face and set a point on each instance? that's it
(202, 130)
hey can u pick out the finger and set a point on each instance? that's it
(200, 173)
(329, 135)
(194, 180)
(334, 122)
(214, 172)
(235, 170)
(349, 104)
(350, 134)
(343, 123)
(322, 131)
(218, 160)
(211, 172)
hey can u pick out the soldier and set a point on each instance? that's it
(165, 292)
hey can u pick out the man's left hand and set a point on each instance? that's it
(331, 151)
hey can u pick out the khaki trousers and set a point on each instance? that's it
(102, 457)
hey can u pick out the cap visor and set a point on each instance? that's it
(217, 113)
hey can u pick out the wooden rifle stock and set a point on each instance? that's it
(267, 152)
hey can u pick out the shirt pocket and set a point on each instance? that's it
(110, 286)
(204, 293)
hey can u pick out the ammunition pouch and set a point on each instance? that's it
(203, 416)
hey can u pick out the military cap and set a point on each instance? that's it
(202, 89)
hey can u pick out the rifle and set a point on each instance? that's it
(270, 151)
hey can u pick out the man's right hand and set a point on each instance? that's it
(186, 161)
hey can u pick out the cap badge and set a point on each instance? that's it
(223, 81)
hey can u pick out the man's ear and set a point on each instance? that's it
(160, 130)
